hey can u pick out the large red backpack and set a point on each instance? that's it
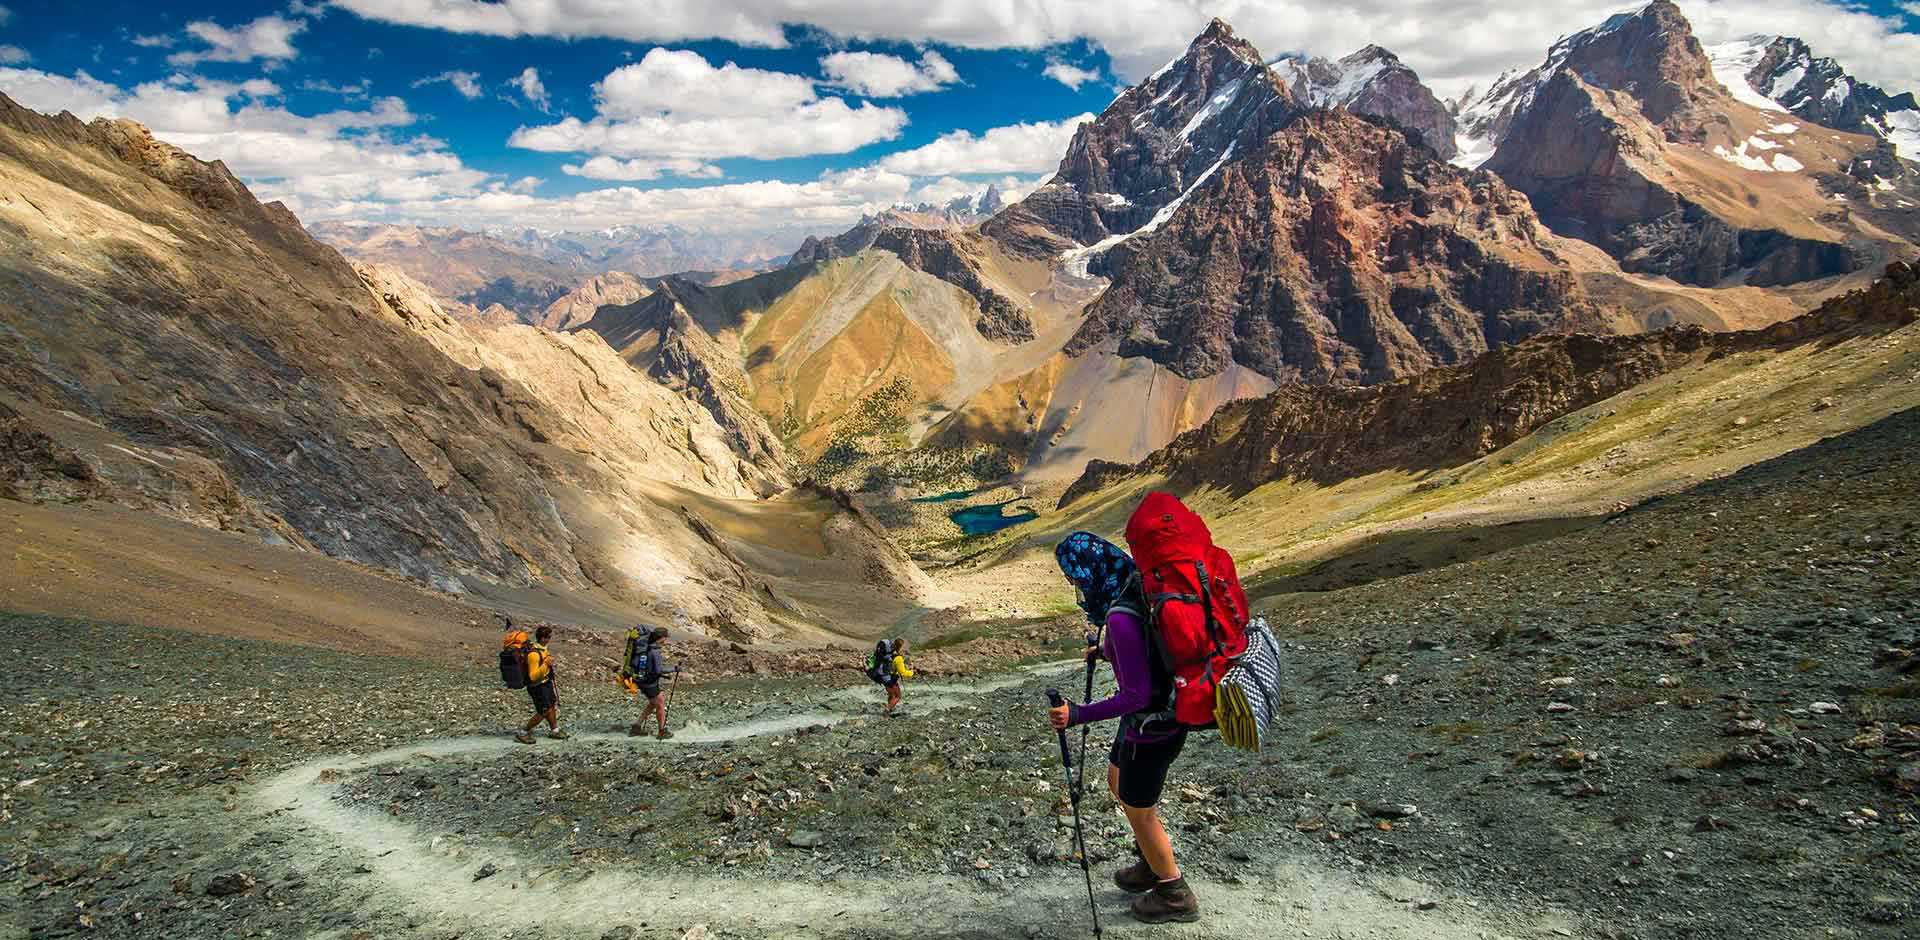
(1198, 608)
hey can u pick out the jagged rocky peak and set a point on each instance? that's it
(1783, 73)
(1375, 82)
(1650, 54)
(1337, 252)
(1161, 137)
(1624, 138)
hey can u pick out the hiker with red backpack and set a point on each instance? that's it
(1107, 586)
(1187, 655)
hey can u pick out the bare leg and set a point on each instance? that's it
(658, 705)
(893, 696)
(1153, 841)
(553, 719)
(1113, 783)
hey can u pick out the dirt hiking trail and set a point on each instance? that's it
(1296, 897)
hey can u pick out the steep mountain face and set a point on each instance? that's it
(1448, 416)
(612, 289)
(468, 271)
(170, 344)
(1625, 139)
(1339, 252)
(658, 336)
(1373, 81)
(1161, 138)
(1782, 72)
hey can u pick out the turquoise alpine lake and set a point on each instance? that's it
(980, 520)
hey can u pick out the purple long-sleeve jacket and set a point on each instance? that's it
(1126, 647)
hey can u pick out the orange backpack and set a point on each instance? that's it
(513, 658)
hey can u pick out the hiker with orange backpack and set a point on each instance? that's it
(540, 688)
(1107, 586)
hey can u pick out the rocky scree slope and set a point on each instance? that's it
(611, 289)
(206, 359)
(1448, 416)
(1335, 251)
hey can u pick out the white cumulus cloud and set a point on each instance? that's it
(609, 168)
(1071, 76)
(1015, 148)
(306, 160)
(466, 83)
(1452, 43)
(269, 38)
(878, 75)
(531, 88)
(675, 105)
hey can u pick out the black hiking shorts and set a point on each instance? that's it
(650, 690)
(1143, 766)
(543, 695)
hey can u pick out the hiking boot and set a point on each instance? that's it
(636, 731)
(1168, 901)
(558, 735)
(523, 737)
(665, 735)
(1137, 878)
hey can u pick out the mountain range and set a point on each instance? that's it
(1234, 243)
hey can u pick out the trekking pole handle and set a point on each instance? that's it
(1054, 699)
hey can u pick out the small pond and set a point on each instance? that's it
(980, 520)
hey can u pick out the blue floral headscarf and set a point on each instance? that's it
(1100, 569)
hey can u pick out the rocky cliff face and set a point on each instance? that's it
(659, 337)
(1625, 139)
(1374, 82)
(957, 258)
(1338, 252)
(611, 289)
(1161, 137)
(171, 344)
(1449, 416)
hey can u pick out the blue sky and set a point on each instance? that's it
(774, 116)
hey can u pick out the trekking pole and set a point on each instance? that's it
(668, 705)
(1073, 797)
(1093, 640)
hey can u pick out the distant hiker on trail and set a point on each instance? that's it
(540, 688)
(1108, 589)
(887, 665)
(641, 668)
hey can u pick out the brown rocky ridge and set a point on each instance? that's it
(1448, 416)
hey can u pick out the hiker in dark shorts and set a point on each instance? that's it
(540, 688)
(1148, 741)
(647, 677)
(888, 665)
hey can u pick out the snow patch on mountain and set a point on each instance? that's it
(1732, 61)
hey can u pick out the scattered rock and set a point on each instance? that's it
(1392, 810)
(1558, 708)
(1824, 708)
(233, 883)
(806, 839)
(486, 871)
(620, 932)
(1745, 727)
